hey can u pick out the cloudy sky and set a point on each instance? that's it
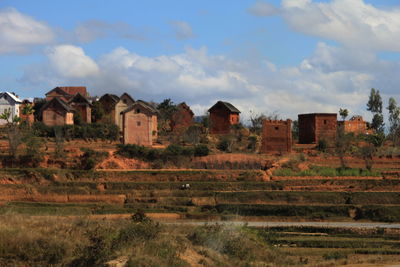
(282, 56)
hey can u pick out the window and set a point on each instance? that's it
(325, 121)
(124, 101)
(138, 123)
(276, 128)
(138, 111)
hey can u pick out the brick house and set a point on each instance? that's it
(317, 126)
(355, 125)
(222, 116)
(139, 124)
(114, 105)
(276, 136)
(81, 105)
(182, 118)
(9, 101)
(66, 93)
(57, 112)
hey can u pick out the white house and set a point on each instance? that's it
(9, 101)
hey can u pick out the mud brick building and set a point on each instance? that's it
(29, 118)
(222, 116)
(57, 112)
(81, 105)
(139, 124)
(182, 118)
(114, 105)
(317, 126)
(276, 136)
(355, 125)
(9, 101)
(66, 93)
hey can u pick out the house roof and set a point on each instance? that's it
(319, 114)
(128, 96)
(143, 104)
(69, 90)
(227, 105)
(12, 96)
(78, 98)
(183, 105)
(57, 103)
(114, 98)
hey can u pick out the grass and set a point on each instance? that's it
(327, 172)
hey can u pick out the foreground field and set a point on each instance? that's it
(138, 241)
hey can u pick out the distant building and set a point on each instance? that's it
(9, 101)
(276, 136)
(355, 125)
(57, 112)
(182, 118)
(317, 126)
(222, 116)
(114, 105)
(82, 106)
(139, 124)
(66, 93)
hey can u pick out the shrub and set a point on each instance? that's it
(90, 158)
(201, 150)
(224, 144)
(322, 145)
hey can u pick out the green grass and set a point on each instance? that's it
(327, 172)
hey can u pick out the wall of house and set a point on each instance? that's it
(85, 111)
(5, 105)
(52, 95)
(221, 121)
(315, 127)
(119, 107)
(181, 120)
(354, 126)
(137, 128)
(276, 136)
(52, 117)
(306, 128)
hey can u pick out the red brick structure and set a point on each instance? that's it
(182, 118)
(66, 93)
(276, 136)
(139, 124)
(317, 126)
(355, 125)
(57, 112)
(222, 116)
(81, 105)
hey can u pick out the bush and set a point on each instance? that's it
(90, 158)
(201, 150)
(224, 145)
(322, 145)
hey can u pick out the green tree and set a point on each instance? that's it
(166, 109)
(343, 112)
(394, 120)
(14, 133)
(97, 111)
(375, 106)
(343, 144)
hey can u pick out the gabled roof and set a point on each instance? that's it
(78, 98)
(57, 103)
(114, 98)
(12, 96)
(128, 96)
(143, 104)
(227, 105)
(183, 105)
(69, 90)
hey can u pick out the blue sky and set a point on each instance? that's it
(289, 56)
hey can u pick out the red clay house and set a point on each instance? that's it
(57, 112)
(114, 105)
(222, 116)
(317, 126)
(182, 118)
(66, 93)
(276, 136)
(139, 124)
(81, 105)
(355, 125)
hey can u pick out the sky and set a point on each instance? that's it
(282, 57)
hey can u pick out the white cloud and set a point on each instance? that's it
(18, 32)
(71, 62)
(352, 23)
(331, 78)
(262, 9)
(182, 30)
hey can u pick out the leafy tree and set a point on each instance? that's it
(343, 112)
(38, 106)
(97, 111)
(14, 133)
(166, 108)
(394, 120)
(375, 106)
(343, 145)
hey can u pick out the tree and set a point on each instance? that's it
(375, 106)
(343, 145)
(343, 112)
(14, 134)
(38, 106)
(97, 111)
(166, 109)
(394, 120)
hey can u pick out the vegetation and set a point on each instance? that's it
(375, 106)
